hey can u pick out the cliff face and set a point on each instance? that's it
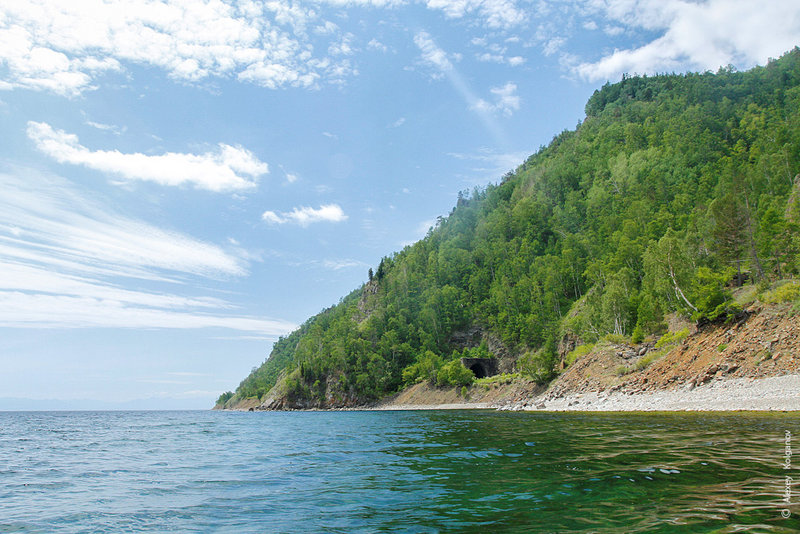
(671, 192)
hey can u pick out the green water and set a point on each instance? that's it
(428, 471)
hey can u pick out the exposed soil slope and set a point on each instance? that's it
(766, 344)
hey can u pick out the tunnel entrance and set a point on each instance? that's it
(478, 370)
(480, 367)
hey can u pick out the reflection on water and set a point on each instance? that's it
(394, 471)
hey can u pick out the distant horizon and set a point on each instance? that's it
(21, 404)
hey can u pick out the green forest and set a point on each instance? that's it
(674, 189)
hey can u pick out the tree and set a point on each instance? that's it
(668, 270)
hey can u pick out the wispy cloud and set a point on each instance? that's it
(229, 168)
(432, 54)
(116, 130)
(67, 261)
(505, 100)
(489, 164)
(436, 57)
(305, 216)
(495, 13)
(340, 264)
(696, 35)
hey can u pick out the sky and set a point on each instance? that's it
(182, 182)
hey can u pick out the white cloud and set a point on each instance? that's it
(697, 36)
(24, 310)
(431, 53)
(116, 130)
(67, 47)
(374, 44)
(64, 47)
(553, 45)
(506, 100)
(399, 122)
(66, 261)
(495, 13)
(338, 265)
(495, 53)
(305, 216)
(490, 164)
(229, 168)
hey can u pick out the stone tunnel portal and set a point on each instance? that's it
(480, 367)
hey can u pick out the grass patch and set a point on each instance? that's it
(722, 347)
(786, 291)
(641, 363)
(579, 351)
(615, 338)
(504, 378)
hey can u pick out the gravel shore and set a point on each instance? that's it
(779, 393)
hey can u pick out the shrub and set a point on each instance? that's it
(424, 369)
(711, 298)
(454, 373)
(786, 292)
(539, 365)
(672, 338)
(638, 334)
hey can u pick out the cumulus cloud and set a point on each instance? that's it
(305, 216)
(64, 46)
(67, 261)
(505, 100)
(229, 168)
(697, 36)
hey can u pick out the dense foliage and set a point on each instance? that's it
(673, 187)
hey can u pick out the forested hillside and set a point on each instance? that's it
(672, 190)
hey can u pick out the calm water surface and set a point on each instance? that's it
(464, 471)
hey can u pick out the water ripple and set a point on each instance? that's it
(393, 472)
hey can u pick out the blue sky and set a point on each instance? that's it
(183, 182)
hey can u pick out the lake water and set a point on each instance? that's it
(465, 471)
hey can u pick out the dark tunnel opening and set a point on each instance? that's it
(478, 370)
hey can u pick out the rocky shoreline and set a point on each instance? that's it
(779, 393)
